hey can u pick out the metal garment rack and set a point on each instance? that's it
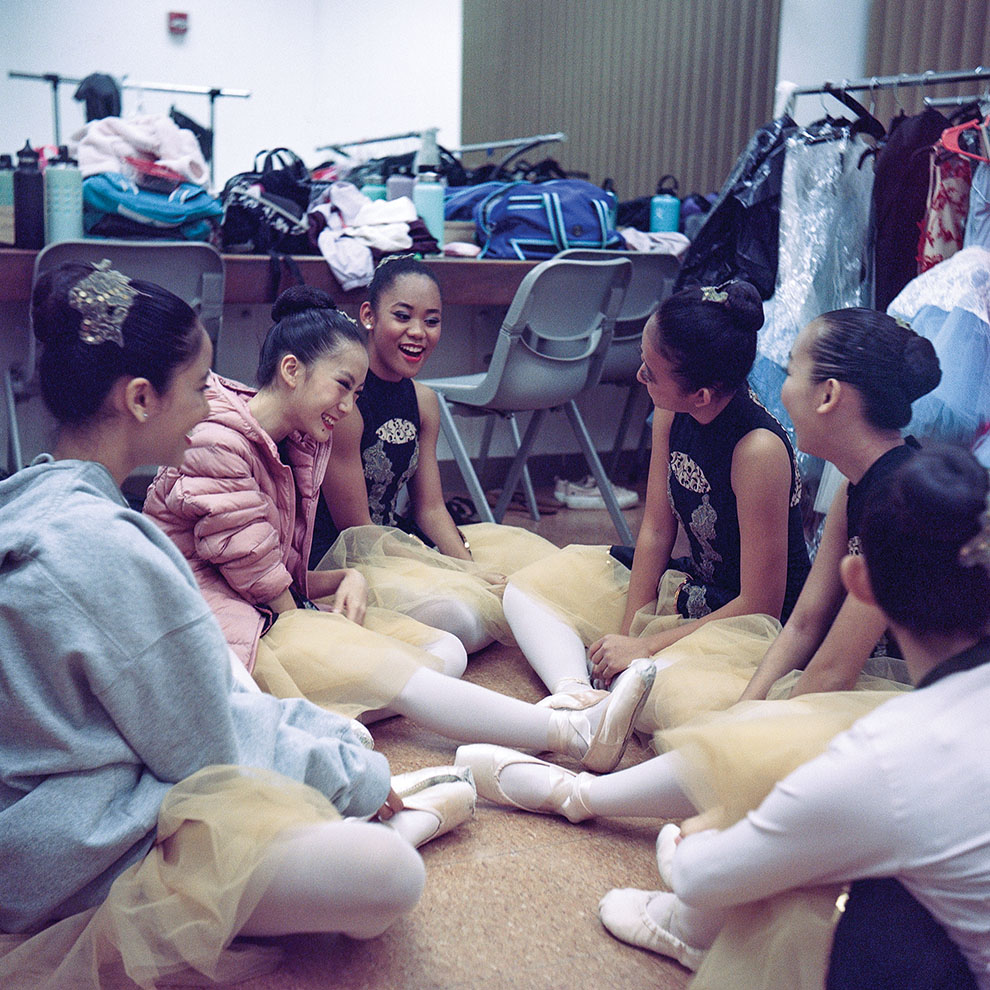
(214, 93)
(871, 83)
(521, 144)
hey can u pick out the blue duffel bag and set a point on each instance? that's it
(528, 221)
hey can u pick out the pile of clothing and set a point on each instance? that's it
(145, 177)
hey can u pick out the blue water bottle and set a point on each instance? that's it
(665, 207)
(6, 201)
(63, 199)
(428, 200)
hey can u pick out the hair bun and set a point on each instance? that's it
(745, 305)
(298, 299)
(921, 367)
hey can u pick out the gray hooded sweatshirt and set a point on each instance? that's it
(115, 684)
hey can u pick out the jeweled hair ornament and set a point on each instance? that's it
(976, 552)
(714, 293)
(103, 299)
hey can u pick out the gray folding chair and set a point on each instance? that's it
(550, 348)
(652, 281)
(192, 270)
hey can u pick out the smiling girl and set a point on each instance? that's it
(418, 563)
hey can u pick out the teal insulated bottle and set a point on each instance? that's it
(665, 207)
(374, 188)
(63, 199)
(6, 201)
(428, 200)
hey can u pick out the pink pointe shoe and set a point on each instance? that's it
(600, 751)
(488, 761)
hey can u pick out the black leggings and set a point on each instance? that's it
(886, 940)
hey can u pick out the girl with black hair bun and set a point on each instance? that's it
(152, 805)
(899, 804)
(723, 471)
(415, 559)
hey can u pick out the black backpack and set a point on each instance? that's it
(265, 210)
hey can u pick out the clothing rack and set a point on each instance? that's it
(872, 83)
(214, 93)
(481, 146)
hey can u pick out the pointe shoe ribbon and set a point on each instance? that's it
(629, 694)
(488, 761)
(575, 701)
(624, 914)
(448, 793)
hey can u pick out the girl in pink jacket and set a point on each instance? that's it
(240, 507)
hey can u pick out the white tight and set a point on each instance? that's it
(470, 713)
(450, 650)
(455, 618)
(649, 790)
(554, 650)
(351, 877)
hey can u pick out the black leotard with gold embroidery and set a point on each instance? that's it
(699, 484)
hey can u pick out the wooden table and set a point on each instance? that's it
(463, 281)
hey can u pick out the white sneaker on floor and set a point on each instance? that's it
(584, 494)
(623, 912)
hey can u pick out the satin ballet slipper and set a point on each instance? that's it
(570, 731)
(623, 913)
(487, 761)
(576, 699)
(666, 845)
(447, 793)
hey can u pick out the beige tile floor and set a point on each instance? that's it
(511, 898)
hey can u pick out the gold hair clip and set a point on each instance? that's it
(903, 324)
(976, 552)
(715, 294)
(396, 257)
(104, 299)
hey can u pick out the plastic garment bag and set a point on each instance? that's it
(739, 236)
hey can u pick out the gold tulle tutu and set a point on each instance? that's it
(404, 574)
(339, 665)
(173, 915)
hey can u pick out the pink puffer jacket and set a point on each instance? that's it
(242, 518)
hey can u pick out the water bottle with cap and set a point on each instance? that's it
(665, 207)
(613, 202)
(399, 184)
(6, 200)
(373, 187)
(427, 158)
(63, 199)
(428, 200)
(29, 201)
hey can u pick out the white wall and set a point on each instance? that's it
(821, 42)
(319, 70)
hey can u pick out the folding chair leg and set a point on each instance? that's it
(486, 443)
(527, 481)
(519, 463)
(456, 444)
(604, 485)
(638, 399)
(15, 456)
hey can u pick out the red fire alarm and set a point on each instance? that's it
(178, 22)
